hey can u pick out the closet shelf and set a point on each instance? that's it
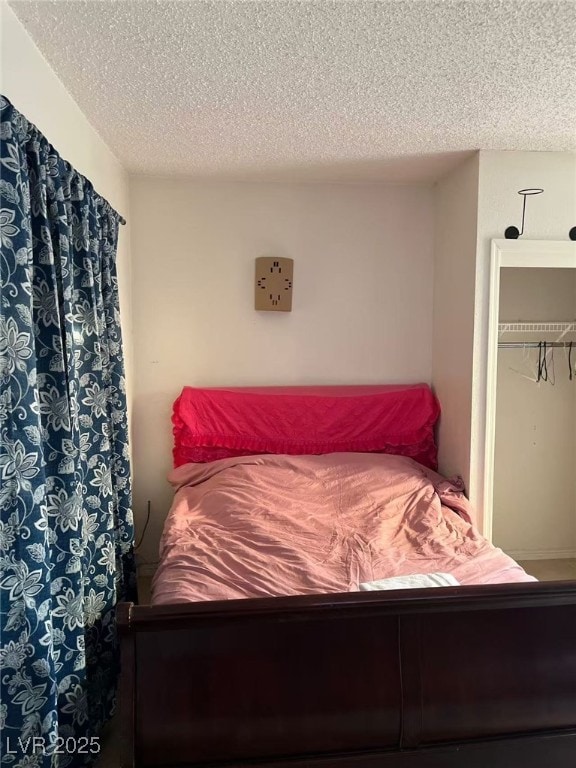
(556, 327)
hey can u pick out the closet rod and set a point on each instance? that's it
(534, 344)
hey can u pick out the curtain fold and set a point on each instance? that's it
(66, 530)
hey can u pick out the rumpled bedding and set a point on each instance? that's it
(266, 525)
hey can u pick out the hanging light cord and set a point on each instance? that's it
(139, 544)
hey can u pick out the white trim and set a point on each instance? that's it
(491, 378)
(542, 554)
(536, 253)
(557, 254)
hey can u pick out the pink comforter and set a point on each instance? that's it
(261, 526)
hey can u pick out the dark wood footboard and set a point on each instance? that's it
(481, 677)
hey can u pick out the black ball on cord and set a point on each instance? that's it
(512, 233)
(572, 233)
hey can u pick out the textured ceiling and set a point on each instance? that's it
(390, 90)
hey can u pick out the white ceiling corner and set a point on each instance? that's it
(391, 90)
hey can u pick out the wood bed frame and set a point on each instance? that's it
(478, 677)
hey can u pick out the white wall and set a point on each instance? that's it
(535, 447)
(548, 217)
(362, 306)
(28, 81)
(456, 204)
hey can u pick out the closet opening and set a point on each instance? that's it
(529, 488)
(534, 498)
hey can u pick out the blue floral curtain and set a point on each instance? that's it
(66, 532)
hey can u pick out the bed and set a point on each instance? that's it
(260, 648)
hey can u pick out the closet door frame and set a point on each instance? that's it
(546, 254)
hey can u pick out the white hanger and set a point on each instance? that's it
(525, 361)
